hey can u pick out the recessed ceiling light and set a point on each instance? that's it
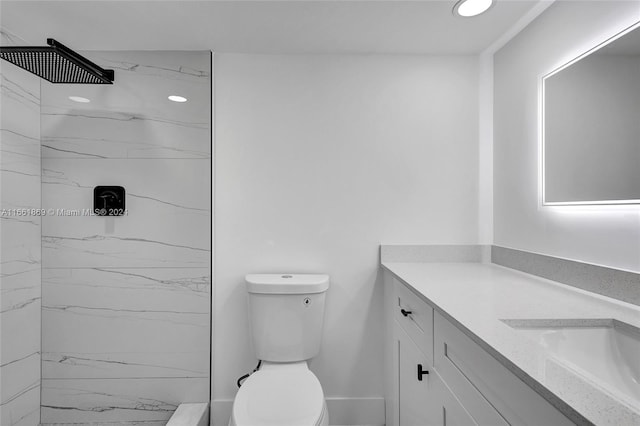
(175, 98)
(79, 99)
(468, 8)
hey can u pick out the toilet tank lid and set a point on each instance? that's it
(287, 283)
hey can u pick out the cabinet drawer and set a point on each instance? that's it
(415, 317)
(491, 393)
(447, 363)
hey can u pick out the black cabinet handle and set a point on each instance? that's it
(405, 313)
(421, 372)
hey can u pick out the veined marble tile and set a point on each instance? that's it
(21, 408)
(19, 170)
(118, 365)
(124, 400)
(20, 179)
(20, 289)
(19, 141)
(94, 320)
(20, 243)
(188, 66)
(19, 377)
(19, 160)
(20, 189)
(101, 332)
(168, 220)
(20, 349)
(26, 367)
(24, 147)
(19, 101)
(76, 133)
(170, 289)
(20, 332)
(133, 118)
(20, 325)
(126, 300)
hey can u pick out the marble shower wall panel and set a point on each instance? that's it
(133, 118)
(104, 401)
(20, 245)
(106, 311)
(168, 203)
(126, 300)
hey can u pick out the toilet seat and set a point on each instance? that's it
(280, 395)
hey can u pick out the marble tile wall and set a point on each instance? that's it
(20, 260)
(126, 300)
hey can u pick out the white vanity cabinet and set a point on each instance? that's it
(415, 393)
(422, 398)
(464, 385)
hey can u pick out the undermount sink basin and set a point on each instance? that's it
(606, 351)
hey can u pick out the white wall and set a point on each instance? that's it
(607, 236)
(318, 160)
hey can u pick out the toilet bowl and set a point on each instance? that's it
(286, 317)
(280, 394)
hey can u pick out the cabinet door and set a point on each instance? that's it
(426, 402)
(452, 413)
(416, 397)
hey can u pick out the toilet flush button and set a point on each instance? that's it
(306, 301)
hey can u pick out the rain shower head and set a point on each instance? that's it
(56, 63)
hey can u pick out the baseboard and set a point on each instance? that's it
(356, 411)
(220, 412)
(342, 411)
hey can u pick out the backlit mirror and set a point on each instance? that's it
(591, 126)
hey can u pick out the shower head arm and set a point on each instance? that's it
(80, 60)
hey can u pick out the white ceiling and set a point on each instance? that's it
(303, 26)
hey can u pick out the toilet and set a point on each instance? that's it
(286, 316)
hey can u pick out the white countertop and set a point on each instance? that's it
(477, 296)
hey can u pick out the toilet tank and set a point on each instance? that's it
(286, 313)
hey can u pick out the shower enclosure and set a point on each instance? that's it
(105, 319)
